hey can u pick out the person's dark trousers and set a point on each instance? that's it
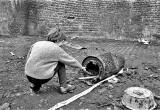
(60, 69)
(37, 83)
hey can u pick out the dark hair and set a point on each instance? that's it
(56, 36)
(52, 37)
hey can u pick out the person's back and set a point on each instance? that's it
(42, 60)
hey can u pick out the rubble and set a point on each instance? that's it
(12, 53)
(113, 80)
(5, 106)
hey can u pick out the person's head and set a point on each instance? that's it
(55, 35)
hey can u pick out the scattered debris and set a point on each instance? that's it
(103, 105)
(18, 94)
(121, 71)
(102, 90)
(151, 67)
(115, 107)
(75, 46)
(8, 61)
(110, 96)
(82, 98)
(2, 41)
(66, 102)
(6, 94)
(129, 71)
(113, 80)
(5, 106)
(153, 76)
(84, 109)
(109, 108)
(87, 82)
(74, 37)
(12, 53)
(89, 77)
(80, 103)
(144, 41)
(110, 86)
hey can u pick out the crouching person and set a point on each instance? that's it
(45, 59)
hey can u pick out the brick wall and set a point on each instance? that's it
(83, 17)
(113, 19)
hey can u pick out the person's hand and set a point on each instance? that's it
(85, 71)
(84, 68)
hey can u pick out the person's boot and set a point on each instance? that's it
(35, 89)
(69, 88)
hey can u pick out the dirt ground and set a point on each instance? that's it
(143, 63)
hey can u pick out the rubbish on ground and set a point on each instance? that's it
(103, 105)
(144, 41)
(110, 96)
(113, 80)
(74, 37)
(75, 46)
(18, 94)
(102, 90)
(87, 82)
(82, 98)
(89, 77)
(80, 103)
(84, 109)
(115, 107)
(153, 76)
(109, 108)
(8, 61)
(129, 72)
(66, 102)
(110, 86)
(151, 67)
(12, 53)
(121, 71)
(137, 98)
(5, 106)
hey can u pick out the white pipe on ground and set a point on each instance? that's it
(66, 102)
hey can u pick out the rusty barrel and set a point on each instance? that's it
(104, 65)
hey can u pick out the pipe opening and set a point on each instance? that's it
(93, 68)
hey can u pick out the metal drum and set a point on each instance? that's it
(104, 65)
